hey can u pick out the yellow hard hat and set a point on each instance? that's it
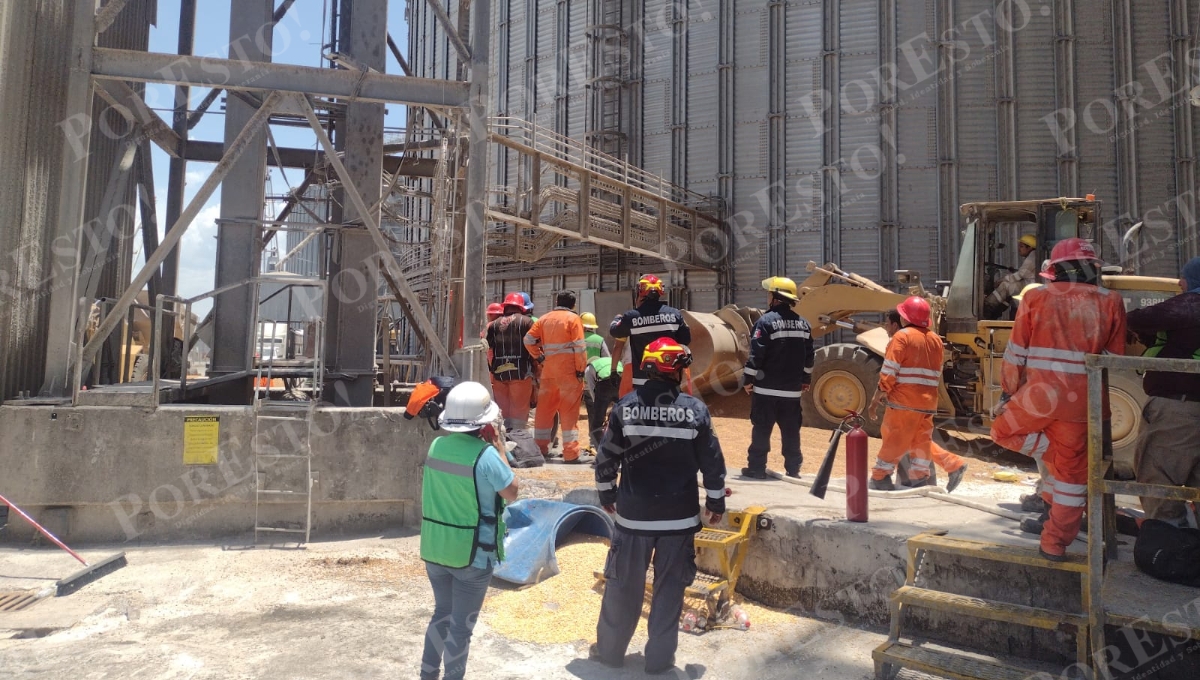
(782, 286)
(1029, 240)
(589, 320)
(1020, 296)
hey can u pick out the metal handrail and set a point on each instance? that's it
(1101, 511)
(565, 148)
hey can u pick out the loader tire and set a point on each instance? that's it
(1126, 399)
(845, 377)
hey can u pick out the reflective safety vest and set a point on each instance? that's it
(603, 367)
(450, 512)
(1160, 343)
(595, 344)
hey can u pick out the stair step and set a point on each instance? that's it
(1034, 617)
(946, 664)
(281, 492)
(281, 456)
(280, 530)
(996, 552)
(295, 419)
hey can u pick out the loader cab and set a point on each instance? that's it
(990, 248)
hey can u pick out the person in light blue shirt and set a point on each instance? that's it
(463, 482)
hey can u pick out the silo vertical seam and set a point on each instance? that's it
(679, 83)
(831, 107)
(1066, 85)
(1006, 103)
(889, 175)
(947, 116)
(727, 56)
(776, 139)
(1182, 43)
(1127, 167)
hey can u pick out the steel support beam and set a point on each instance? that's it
(238, 245)
(210, 152)
(253, 128)
(354, 277)
(451, 30)
(177, 170)
(132, 107)
(155, 67)
(73, 180)
(391, 268)
(475, 261)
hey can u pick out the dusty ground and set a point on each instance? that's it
(347, 609)
(731, 419)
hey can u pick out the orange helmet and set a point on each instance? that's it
(1073, 249)
(514, 300)
(915, 311)
(666, 357)
(495, 309)
(649, 284)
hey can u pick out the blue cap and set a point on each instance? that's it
(528, 301)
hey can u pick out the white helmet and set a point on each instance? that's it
(468, 408)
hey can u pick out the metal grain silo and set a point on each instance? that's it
(852, 130)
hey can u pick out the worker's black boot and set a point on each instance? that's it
(955, 479)
(884, 484)
(1031, 525)
(1033, 502)
(751, 473)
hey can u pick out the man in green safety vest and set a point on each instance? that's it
(465, 485)
(600, 389)
(593, 340)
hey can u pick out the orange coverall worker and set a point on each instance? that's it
(1046, 416)
(558, 337)
(911, 369)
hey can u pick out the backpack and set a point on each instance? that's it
(1168, 553)
(523, 451)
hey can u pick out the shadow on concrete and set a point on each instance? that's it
(635, 667)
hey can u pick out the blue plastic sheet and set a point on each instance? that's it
(535, 528)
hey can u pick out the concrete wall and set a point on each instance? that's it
(105, 474)
(845, 572)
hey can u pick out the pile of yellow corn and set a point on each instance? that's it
(561, 609)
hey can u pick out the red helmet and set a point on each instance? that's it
(495, 309)
(1070, 249)
(514, 300)
(666, 356)
(915, 311)
(649, 284)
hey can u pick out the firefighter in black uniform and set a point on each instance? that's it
(778, 371)
(651, 319)
(658, 438)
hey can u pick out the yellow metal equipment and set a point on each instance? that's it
(895, 654)
(710, 595)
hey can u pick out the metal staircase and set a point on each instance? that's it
(897, 653)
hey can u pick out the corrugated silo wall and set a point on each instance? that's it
(34, 50)
(851, 130)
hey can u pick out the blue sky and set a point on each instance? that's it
(298, 41)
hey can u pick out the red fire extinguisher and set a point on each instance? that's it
(856, 470)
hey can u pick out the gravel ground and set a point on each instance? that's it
(344, 609)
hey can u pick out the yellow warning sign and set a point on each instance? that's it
(200, 436)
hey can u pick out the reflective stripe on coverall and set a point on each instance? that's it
(909, 377)
(1057, 325)
(558, 336)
